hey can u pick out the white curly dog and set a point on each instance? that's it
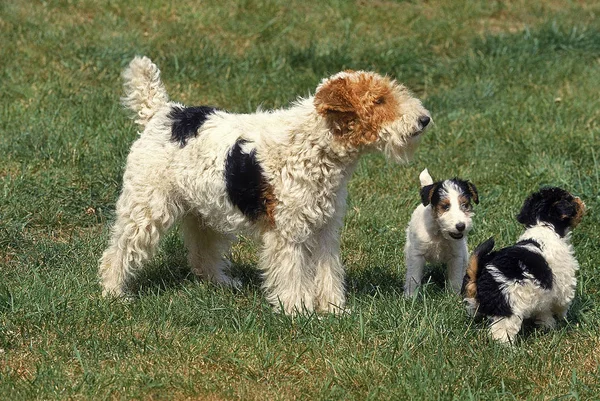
(280, 176)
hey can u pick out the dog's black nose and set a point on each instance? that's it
(460, 227)
(424, 120)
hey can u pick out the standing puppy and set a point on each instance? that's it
(438, 228)
(279, 175)
(535, 278)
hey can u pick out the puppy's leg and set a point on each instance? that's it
(329, 278)
(504, 329)
(206, 251)
(456, 269)
(545, 320)
(561, 310)
(288, 274)
(135, 237)
(414, 272)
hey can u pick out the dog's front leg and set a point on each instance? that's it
(288, 274)
(329, 278)
(415, 264)
(456, 269)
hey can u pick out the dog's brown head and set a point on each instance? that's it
(364, 109)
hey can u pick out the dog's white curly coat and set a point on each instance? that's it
(304, 161)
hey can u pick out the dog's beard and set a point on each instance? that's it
(401, 150)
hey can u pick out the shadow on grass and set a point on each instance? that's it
(382, 280)
(157, 278)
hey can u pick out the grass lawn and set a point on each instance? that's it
(513, 87)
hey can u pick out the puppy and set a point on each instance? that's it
(535, 278)
(438, 228)
(278, 176)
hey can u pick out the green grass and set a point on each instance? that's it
(513, 88)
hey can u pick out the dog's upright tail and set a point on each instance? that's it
(425, 178)
(470, 281)
(144, 91)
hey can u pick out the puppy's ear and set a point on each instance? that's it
(473, 192)
(427, 193)
(528, 214)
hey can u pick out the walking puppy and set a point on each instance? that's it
(438, 228)
(279, 175)
(535, 278)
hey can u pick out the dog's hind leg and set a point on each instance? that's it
(288, 274)
(505, 329)
(135, 237)
(206, 251)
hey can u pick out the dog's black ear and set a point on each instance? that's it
(427, 193)
(528, 215)
(473, 192)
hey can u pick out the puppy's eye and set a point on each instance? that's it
(465, 206)
(380, 100)
(445, 207)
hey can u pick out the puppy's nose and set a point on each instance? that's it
(424, 120)
(460, 227)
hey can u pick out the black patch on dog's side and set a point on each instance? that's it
(244, 181)
(513, 262)
(492, 301)
(186, 121)
(551, 205)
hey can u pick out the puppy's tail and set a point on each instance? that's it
(144, 91)
(470, 281)
(425, 178)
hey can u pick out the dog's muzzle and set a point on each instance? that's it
(423, 123)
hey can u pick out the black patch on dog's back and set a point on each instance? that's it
(244, 181)
(186, 121)
(512, 263)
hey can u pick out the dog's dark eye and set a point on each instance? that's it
(465, 206)
(446, 207)
(380, 100)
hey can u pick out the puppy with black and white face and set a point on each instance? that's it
(535, 278)
(437, 232)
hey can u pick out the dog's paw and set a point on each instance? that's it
(118, 295)
(113, 292)
(231, 282)
(546, 322)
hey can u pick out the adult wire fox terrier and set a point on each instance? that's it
(280, 175)
(535, 278)
(438, 228)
